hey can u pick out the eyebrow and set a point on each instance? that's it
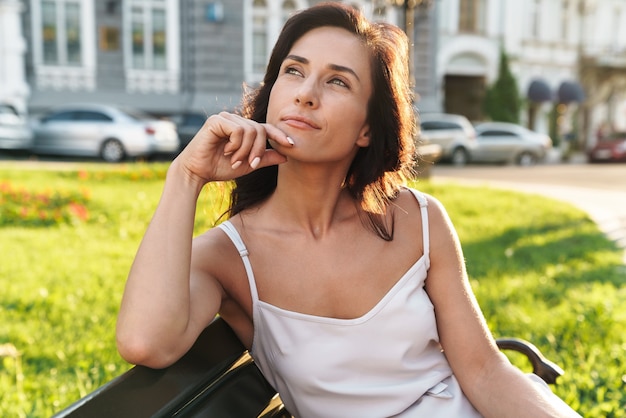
(334, 67)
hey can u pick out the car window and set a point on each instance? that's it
(438, 125)
(497, 133)
(7, 110)
(88, 115)
(136, 114)
(60, 116)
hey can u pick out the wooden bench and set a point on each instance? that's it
(217, 378)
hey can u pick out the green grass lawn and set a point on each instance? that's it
(541, 271)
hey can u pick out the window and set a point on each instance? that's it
(151, 45)
(289, 6)
(63, 44)
(60, 117)
(471, 16)
(148, 34)
(60, 32)
(49, 32)
(499, 134)
(268, 18)
(72, 30)
(91, 116)
(158, 38)
(138, 39)
(6, 109)
(439, 126)
(535, 15)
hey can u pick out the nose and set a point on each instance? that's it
(307, 93)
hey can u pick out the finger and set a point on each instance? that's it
(252, 138)
(278, 136)
(271, 157)
(258, 148)
(241, 136)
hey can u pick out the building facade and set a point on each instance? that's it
(163, 56)
(568, 56)
(173, 56)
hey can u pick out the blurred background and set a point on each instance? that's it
(556, 67)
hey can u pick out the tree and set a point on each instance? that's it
(502, 100)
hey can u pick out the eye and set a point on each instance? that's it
(292, 71)
(339, 82)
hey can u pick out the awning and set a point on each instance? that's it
(539, 91)
(570, 92)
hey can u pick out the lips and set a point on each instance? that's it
(298, 121)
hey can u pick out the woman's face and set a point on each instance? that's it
(321, 95)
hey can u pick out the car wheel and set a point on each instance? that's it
(526, 159)
(460, 157)
(112, 151)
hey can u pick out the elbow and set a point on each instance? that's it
(141, 351)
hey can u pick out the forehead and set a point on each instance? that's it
(334, 45)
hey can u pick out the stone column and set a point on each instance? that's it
(13, 86)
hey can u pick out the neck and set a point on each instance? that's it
(313, 200)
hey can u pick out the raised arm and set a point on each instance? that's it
(166, 303)
(494, 386)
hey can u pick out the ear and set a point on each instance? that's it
(364, 137)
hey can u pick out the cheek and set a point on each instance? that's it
(356, 117)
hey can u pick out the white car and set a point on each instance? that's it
(15, 132)
(454, 133)
(501, 142)
(109, 132)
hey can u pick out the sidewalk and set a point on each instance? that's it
(607, 208)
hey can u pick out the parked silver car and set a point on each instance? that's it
(109, 132)
(15, 132)
(454, 133)
(500, 142)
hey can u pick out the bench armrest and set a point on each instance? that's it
(542, 367)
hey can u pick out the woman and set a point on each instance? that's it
(344, 284)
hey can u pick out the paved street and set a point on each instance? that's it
(598, 189)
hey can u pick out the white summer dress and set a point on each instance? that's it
(386, 363)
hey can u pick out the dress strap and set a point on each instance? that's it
(423, 202)
(234, 236)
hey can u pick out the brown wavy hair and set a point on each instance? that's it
(378, 171)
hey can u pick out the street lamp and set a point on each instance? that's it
(408, 9)
(585, 8)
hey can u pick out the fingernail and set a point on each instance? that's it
(226, 154)
(290, 140)
(255, 163)
(236, 165)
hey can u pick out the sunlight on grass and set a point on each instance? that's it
(541, 271)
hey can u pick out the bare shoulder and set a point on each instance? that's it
(215, 259)
(213, 252)
(437, 213)
(408, 203)
(442, 233)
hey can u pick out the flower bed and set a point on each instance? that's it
(22, 207)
